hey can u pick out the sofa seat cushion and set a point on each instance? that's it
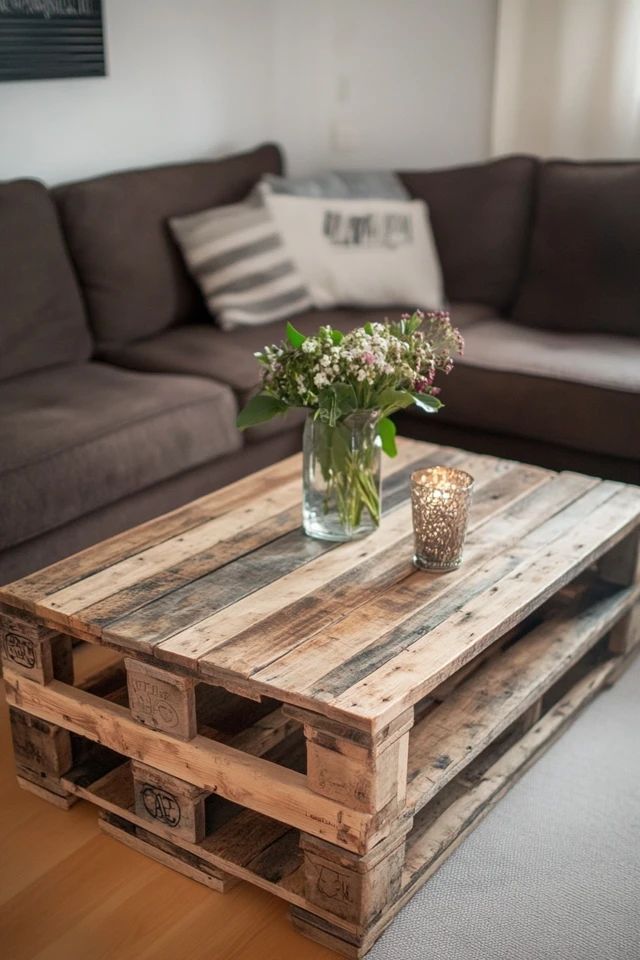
(583, 273)
(77, 438)
(42, 320)
(229, 357)
(575, 390)
(131, 271)
(480, 216)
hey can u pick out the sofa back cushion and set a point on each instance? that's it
(584, 268)
(42, 320)
(134, 278)
(481, 216)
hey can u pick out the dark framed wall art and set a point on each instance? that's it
(44, 39)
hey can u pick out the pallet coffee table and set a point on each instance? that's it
(322, 720)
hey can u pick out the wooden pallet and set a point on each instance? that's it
(321, 721)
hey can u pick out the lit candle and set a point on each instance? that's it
(440, 498)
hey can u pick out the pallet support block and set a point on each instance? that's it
(170, 802)
(365, 772)
(43, 754)
(354, 888)
(34, 651)
(162, 700)
(621, 566)
(42, 750)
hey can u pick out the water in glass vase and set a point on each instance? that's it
(341, 477)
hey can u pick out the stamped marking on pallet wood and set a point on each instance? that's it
(161, 700)
(19, 650)
(334, 885)
(152, 702)
(161, 805)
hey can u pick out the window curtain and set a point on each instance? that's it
(567, 80)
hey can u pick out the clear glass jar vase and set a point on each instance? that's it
(341, 477)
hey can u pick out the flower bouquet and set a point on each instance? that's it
(351, 384)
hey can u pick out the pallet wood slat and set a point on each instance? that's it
(259, 643)
(182, 862)
(321, 720)
(502, 690)
(210, 632)
(497, 609)
(307, 668)
(212, 766)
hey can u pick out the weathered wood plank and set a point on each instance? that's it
(215, 767)
(62, 801)
(564, 552)
(211, 632)
(503, 689)
(264, 734)
(372, 634)
(166, 581)
(64, 603)
(253, 648)
(166, 854)
(223, 579)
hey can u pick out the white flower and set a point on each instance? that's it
(320, 379)
(309, 345)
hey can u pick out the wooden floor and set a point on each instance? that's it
(67, 892)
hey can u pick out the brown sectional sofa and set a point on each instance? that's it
(118, 394)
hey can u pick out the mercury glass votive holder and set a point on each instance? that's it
(440, 499)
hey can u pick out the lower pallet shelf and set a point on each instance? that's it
(443, 824)
(245, 845)
(504, 686)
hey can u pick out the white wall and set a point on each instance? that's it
(342, 83)
(388, 83)
(187, 78)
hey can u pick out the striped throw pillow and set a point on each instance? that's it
(240, 263)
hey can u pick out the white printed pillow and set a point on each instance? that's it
(361, 252)
(236, 256)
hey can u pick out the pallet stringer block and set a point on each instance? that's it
(621, 566)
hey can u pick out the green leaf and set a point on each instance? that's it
(387, 434)
(346, 399)
(368, 328)
(260, 408)
(391, 400)
(336, 401)
(295, 338)
(336, 336)
(426, 403)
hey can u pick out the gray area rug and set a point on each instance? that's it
(553, 873)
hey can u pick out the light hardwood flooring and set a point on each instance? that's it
(67, 892)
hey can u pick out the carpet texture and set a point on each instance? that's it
(553, 873)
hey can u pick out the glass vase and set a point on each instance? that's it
(341, 477)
